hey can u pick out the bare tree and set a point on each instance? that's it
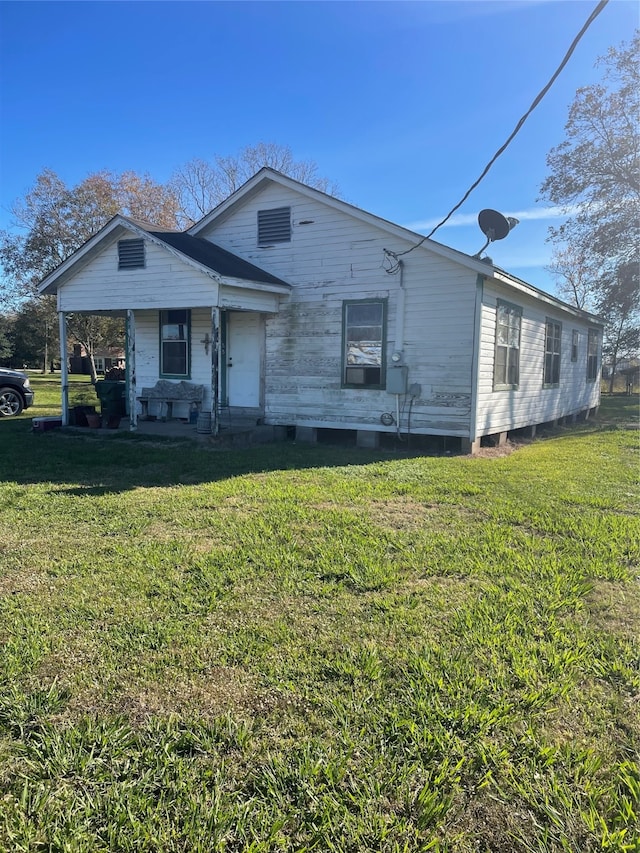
(202, 185)
(576, 276)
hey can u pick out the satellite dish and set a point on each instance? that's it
(494, 226)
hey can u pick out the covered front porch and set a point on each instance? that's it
(215, 382)
(195, 316)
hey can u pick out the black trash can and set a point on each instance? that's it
(112, 398)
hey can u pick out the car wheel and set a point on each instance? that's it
(11, 402)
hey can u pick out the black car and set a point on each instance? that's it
(15, 392)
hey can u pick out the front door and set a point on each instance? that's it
(244, 358)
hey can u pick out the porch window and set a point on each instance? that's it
(592, 355)
(506, 368)
(363, 336)
(552, 340)
(175, 343)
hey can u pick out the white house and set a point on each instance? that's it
(290, 305)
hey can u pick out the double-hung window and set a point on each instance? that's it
(552, 341)
(575, 339)
(175, 343)
(363, 343)
(506, 370)
(592, 355)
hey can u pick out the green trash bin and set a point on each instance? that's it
(112, 398)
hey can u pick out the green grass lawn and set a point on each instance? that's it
(314, 648)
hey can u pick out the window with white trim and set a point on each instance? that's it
(552, 353)
(363, 343)
(593, 342)
(506, 368)
(175, 343)
(575, 339)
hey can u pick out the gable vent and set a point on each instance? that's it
(130, 254)
(274, 226)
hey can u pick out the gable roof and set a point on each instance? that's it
(197, 252)
(483, 267)
(267, 175)
(215, 257)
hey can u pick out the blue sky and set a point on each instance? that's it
(401, 104)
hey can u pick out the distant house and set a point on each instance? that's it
(104, 360)
(281, 303)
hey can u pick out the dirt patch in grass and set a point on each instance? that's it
(222, 689)
(510, 446)
(25, 581)
(493, 825)
(616, 607)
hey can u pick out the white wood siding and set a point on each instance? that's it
(165, 282)
(336, 257)
(530, 403)
(148, 356)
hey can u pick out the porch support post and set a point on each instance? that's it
(64, 368)
(131, 369)
(215, 372)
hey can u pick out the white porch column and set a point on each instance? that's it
(131, 370)
(215, 357)
(64, 368)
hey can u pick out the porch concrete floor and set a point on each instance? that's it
(233, 433)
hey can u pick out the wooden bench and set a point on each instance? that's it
(167, 393)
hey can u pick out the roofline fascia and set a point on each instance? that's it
(122, 221)
(263, 286)
(117, 221)
(531, 290)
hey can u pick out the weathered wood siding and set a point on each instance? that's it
(165, 282)
(335, 257)
(531, 403)
(148, 355)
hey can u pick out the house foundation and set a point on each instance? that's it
(368, 439)
(306, 435)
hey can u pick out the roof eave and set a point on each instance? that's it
(524, 287)
(49, 284)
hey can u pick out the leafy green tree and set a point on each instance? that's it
(35, 333)
(6, 339)
(595, 177)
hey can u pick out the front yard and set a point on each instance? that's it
(314, 648)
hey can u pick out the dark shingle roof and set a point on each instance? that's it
(214, 257)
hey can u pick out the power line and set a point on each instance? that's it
(536, 101)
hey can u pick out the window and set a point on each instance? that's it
(363, 347)
(506, 371)
(130, 254)
(274, 226)
(175, 343)
(552, 340)
(592, 355)
(575, 337)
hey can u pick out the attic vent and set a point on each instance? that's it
(274, 226)
(130, 254)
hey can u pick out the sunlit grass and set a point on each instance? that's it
(310, 648)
